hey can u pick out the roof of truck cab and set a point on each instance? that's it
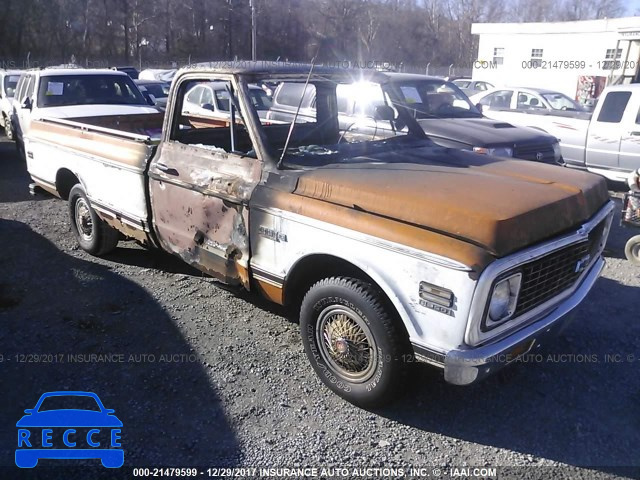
(274, 68)
(405, 77)
(258, 67)
(78, 71)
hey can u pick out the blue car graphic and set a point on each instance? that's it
(78, 433)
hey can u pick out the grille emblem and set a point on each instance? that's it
(581, 264)
(539, 156)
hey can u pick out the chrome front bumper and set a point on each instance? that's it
(467, 366)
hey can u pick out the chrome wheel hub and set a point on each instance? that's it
(84, 224)
(346, 343)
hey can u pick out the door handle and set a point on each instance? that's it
(168, 170)
(634, 134)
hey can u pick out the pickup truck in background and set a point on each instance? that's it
(442, 110)
(8, 82)
(606, 142)
(390, 249)
(73, 92)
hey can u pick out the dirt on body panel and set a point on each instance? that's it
(201, 213)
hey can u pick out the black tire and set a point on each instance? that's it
(632, 250)
(352, 311)
(94, 236)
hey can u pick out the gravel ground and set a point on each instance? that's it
(204, 377)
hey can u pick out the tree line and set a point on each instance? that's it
(158, 33)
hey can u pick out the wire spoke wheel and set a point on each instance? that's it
(346, 343)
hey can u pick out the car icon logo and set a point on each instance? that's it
(539, 156)
(69, 425)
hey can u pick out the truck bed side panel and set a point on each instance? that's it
(110, 167)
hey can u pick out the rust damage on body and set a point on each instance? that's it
(202, 216)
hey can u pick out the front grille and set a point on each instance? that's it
(530, 152)
(548, 276)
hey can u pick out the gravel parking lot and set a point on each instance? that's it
(201, 376)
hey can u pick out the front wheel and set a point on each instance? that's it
(356, 347)
(632, 250)
(94, 235)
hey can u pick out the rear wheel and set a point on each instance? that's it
(94, 235)
(356, 347)
(632, 250)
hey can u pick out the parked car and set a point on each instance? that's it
(211, 100)
(392, 250)
(165, 75)
(529, 100)
(64, 93)
(442, 110)
(131, 71)
(155, 91)
(470, 86)
(8, 81)
(604, 142)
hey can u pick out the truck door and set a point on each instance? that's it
(605, 131)
(200, 182)
(629, 158)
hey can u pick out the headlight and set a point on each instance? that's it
(497, 151)
(504, 299)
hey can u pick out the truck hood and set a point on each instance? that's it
(74, 111)
(484, 132)
(499, 205)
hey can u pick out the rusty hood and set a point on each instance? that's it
(499, 205)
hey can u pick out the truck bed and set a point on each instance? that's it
(107, 154)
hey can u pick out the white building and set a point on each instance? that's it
(559, 55)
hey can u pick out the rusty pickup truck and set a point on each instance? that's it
(390, 248)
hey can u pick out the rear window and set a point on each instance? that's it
(613, 107)
(64, 90)
(290, 94)
(157, 90)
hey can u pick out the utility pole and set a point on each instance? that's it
(254, 29)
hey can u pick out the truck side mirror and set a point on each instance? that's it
(208, 106)
(26, 103)
(479, 107)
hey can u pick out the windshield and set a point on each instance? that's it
(559, 101)
(435, 99)
(65, 90)
(158, 90)
(10, 82)
(462, 83)
(336, 120)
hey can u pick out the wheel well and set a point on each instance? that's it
(65, 181)
(314, 268)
